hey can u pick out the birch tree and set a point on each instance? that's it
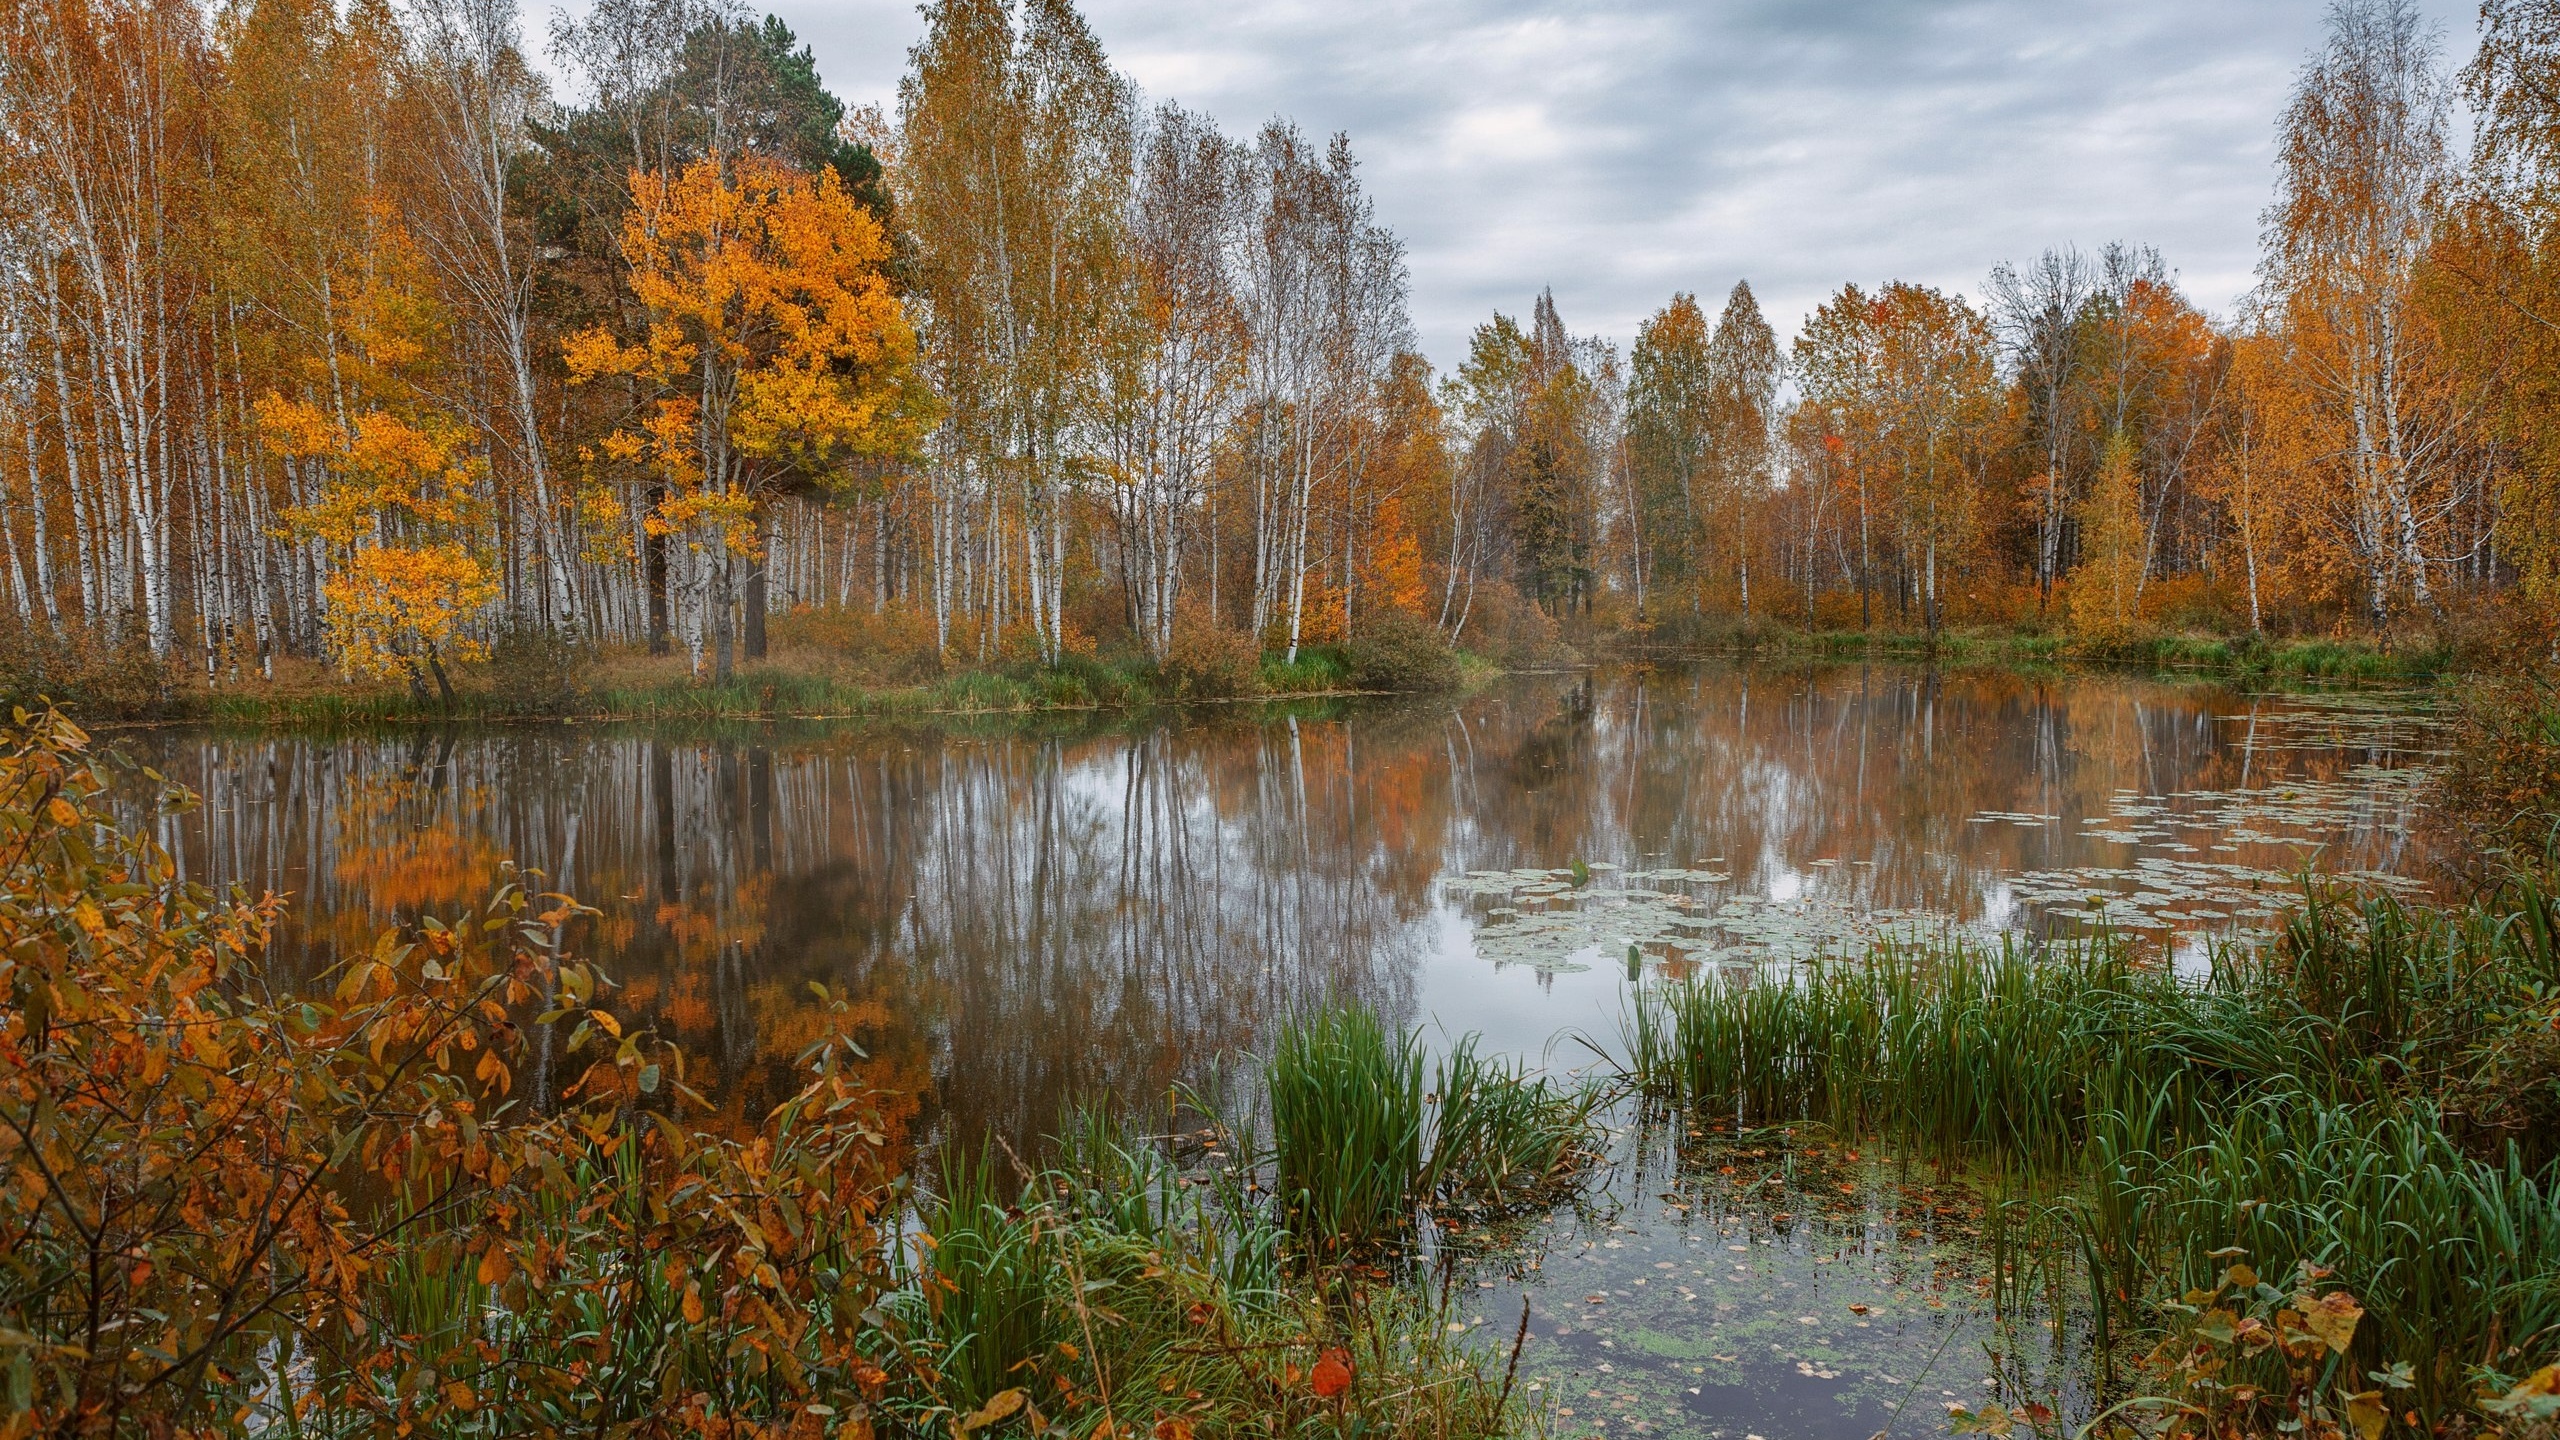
(476, 91)
(1016, 147)
(2361, 166)
(1178, 362)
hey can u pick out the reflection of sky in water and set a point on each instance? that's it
(1786, 1286)
(2233, 811)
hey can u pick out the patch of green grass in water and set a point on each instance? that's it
(2325, 1098)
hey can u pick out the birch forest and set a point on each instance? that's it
(345, 340)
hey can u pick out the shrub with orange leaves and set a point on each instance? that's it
(203, 1178)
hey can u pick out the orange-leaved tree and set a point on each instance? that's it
(775, 350)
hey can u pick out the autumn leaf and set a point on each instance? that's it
(2536, 1397)
(999, 1405)
(2334, 1319)
(1332, 1374)
(1993, 1419)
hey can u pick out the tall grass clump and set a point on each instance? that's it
(2456, 1257)
(1112, 1291)
(1366, 1127)
(1346, 1125)
(1318, 669)
(981, 1302)
(1959, 1044)
(2374, 1092)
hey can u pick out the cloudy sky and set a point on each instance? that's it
(1619, 150)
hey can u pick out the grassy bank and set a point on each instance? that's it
(2376, 1096)
(2247, 656)
(819, 669)
(538, 678)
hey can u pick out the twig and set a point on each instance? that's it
(1896, 1417)
(1511, 1371)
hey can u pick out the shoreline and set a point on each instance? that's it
(802, 688)
(2299, 658)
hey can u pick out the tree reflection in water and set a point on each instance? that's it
(1036, 913)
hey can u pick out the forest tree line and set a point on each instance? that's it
(332, 332)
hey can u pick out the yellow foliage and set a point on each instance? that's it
(2106, 587)
(390, 605)
(774, 342)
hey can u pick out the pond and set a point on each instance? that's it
(1029, 913)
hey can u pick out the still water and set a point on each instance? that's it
(1033, 914)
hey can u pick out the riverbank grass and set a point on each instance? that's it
(2254, 657)
(2375, 1095)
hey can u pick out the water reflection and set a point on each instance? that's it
(1040, 914)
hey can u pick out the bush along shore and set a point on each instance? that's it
(447, 1192)
(825, 664)
(2414, 658)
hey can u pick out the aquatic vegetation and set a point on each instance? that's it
(1500, 1136)
(2297, 1102)
(1544, 920)
(1359, 1141)
(2207, 864)
(1778, 1280)
(1346, 1099)
(1116, 1290)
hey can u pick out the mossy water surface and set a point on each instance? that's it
(1773, 1284)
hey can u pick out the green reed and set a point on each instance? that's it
(1365, 1128)
(2372, 1091)
(1346, 1097)
(1499, 1135)
(982, 1304)
(1115, 1282)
